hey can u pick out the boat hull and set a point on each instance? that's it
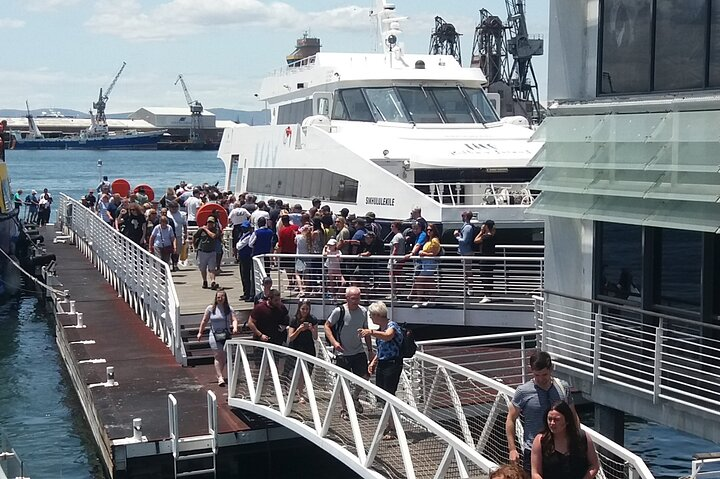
(138, 141)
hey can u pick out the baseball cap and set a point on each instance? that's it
(370, 214)
(332, 242)
(245, 224)
(211, 219)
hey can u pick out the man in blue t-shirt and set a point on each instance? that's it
(533, 399)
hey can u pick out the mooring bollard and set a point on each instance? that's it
(137, 429)
(79, 323)
(110, 371)
(72, 306)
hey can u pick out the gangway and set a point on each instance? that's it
(265, 379)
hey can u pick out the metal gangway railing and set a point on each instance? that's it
(461, 284)
(662, 357)
(11, 466)
(272, 381)
(466, 384)
(140, 278)
(478, 194)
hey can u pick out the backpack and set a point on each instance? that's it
(338, 326)
(476, 231)
(408, 345)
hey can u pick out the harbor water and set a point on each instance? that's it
(41, 414)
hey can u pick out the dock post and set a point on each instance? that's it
(72, 307)
(79, 316)
(137, 429)
(110, 372)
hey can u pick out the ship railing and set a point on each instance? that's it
(464, 283)
(478, 194)
(11, 465)
(142, 279)
(665, 358)
(466, 384)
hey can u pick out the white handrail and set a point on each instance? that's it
(142, 279)
(249, 381)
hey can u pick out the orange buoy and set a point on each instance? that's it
(211, 209)
(121, 186)
(148, 190)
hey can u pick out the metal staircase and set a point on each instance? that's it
(194, 455)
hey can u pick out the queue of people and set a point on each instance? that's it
(37, 208)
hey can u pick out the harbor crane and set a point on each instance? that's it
(445, 40)
(100, 123)
(494, 44)
(196, 110)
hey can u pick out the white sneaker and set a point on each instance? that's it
(485, 300)
(415, 306)
(470, 292)
(425, 304)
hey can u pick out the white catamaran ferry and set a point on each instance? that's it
(385, 132)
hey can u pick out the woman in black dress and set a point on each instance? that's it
(302, 334)
(563, 451)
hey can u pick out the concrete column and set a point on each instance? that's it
(610, 423)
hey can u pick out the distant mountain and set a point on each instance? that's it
(44, 112)
(261, 117)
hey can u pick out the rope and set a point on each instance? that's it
(33, 278)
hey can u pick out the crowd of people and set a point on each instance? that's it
(553, 445)
(37, 207)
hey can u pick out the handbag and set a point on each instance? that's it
(223, 335)
(184, 252)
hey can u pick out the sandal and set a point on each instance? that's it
(302, 400)
(344, 415)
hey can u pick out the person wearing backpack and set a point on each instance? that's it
(341, 331)
(387, 365)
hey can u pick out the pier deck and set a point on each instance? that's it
(145, 370)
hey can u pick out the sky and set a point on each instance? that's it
(59, 53)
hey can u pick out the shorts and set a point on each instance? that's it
(357, 364)
(428, 267)
(207, 261)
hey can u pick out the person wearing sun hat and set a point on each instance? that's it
(204, 243)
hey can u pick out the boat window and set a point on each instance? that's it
(385, 104)
(419, 105)
(356, 106)
(453, 105)
(480, 101)
(339, 110)
(302, 183)
(293, 113)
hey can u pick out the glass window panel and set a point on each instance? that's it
(699, 157)
(307, 109)
(420, 106)
(385, 104)
(481, 102)
(680, 44)
(626, 46)
(714, 67)
(716, 273)
(350, 191)
(280, 183)
(284, 114)
(453, 105)
(316, 187)
(356, 105)
(679, 261)
(620, 261)
(305, 176)
(339, 111)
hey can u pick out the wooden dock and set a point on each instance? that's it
(146, 372)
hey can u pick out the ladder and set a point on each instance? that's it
(194, 455)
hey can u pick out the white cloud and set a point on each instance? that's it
(11, 23)
(47, 5)
(127, 18)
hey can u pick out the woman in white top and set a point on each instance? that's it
(162, 240)
(220, 316)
